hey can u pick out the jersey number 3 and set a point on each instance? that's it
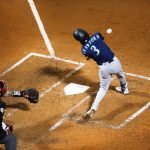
(95, 49)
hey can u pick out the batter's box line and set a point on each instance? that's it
(39, 55)
(66, 116)
(107, 125)
(80, 65)
(98, 123)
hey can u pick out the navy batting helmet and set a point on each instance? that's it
(80, 35)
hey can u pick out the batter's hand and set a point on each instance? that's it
(87, 58)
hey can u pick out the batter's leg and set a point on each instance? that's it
(116, 68)
(123, 83)
(105, 81)
(122, 78)
(102, 92)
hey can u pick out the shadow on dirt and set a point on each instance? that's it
(125, 107)
(19, 105)
(54, 71)
(38, 134)
(77, 77)
(140, 94)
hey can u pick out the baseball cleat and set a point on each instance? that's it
(89, 114)
(123, 89)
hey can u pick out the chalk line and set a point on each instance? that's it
(101, 123)
(138, 76)
(68, 75)
(92, 122)
(65, 116)
(80, 65)
(50, 57)
(69, 61)
(47, 41)
(134, 115)
(16, 64)
(52, 53)
(43, 56)
(58, 83)
(41, 27)
(57, 58)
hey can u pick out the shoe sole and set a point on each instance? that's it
(119, 90)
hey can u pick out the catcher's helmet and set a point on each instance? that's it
(3, 88)
(80, 35)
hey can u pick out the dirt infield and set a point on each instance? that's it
(20, 37)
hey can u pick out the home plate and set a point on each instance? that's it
(74, 88)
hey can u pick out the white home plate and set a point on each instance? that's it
(73, 88)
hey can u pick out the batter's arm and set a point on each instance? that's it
(88, 58)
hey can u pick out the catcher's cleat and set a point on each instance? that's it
(89, 114)
(123, 89)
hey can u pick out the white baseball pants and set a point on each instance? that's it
(105, 73)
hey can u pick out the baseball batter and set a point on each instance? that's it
(94, 47)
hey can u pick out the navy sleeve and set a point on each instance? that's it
(101, 36)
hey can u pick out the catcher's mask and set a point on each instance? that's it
(81, 35)
(3, 88)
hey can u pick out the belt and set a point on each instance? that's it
(109, 61)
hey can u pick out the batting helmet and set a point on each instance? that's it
(81, 35)
(3, 88)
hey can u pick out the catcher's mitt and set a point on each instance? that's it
(32, 95)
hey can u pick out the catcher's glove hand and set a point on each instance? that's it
(32, 95)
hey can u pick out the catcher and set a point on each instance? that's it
(6, 135)
(30, 94)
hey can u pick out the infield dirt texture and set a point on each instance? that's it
(130, 40)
